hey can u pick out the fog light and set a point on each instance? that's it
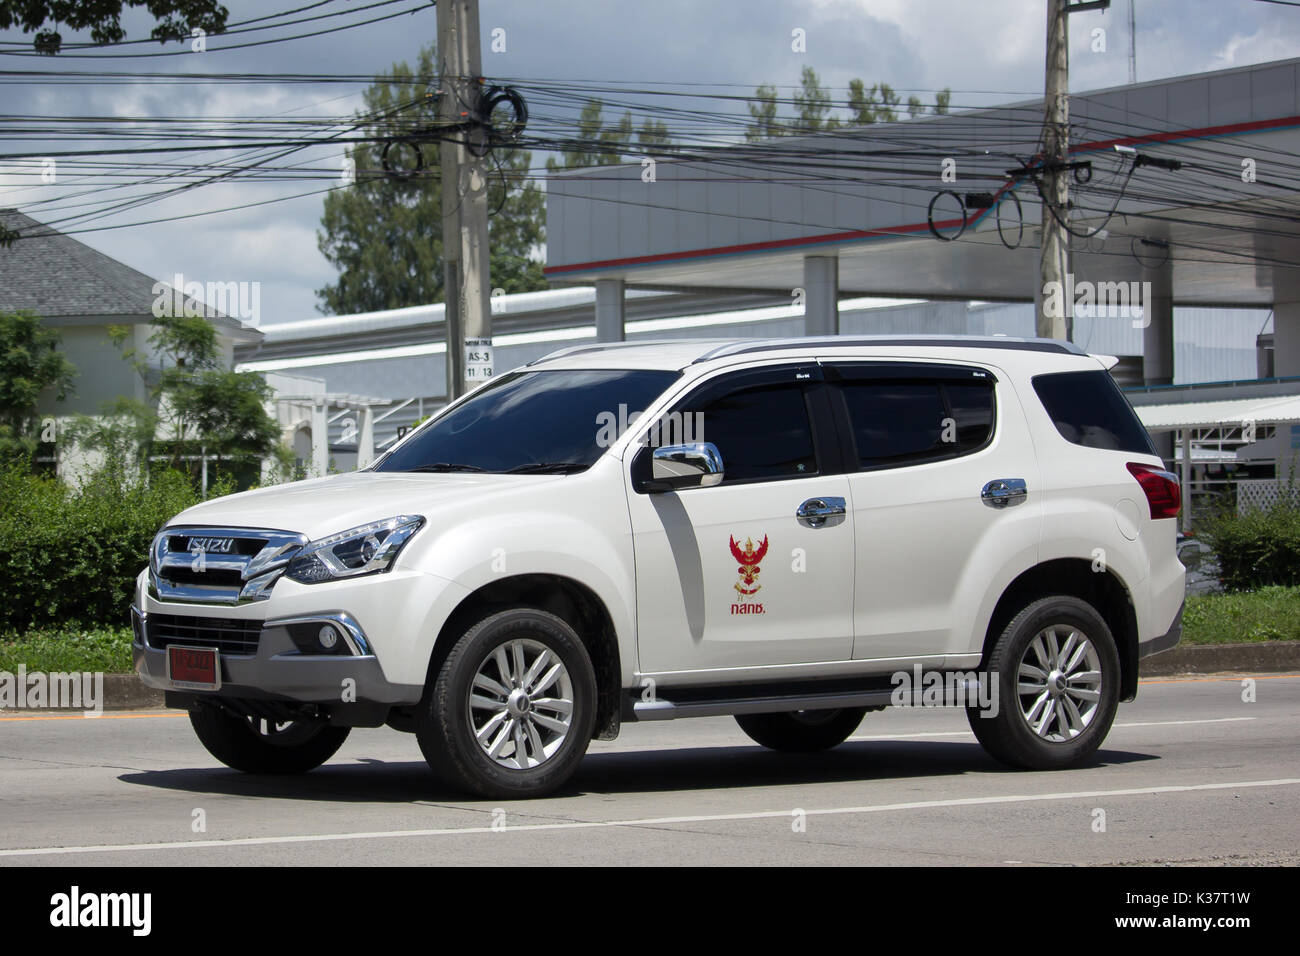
(328, 637)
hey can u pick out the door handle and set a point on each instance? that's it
(816, 511)
(1001, 492)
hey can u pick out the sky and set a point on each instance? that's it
(986, 51)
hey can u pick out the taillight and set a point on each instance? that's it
(1161, 488)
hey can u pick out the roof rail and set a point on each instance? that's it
(837, 341)
(604, 347)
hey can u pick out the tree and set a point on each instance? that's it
(196, 406)
(384, 232)
(877, 103)
(915, 107)
(599, 145)
(764, 111)
(30, 363)
(174, 19)
(813, 104)
(863, 103)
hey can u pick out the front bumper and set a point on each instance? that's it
(278, 670)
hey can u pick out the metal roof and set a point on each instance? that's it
(1234, 411)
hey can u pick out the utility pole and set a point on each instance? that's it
(464, 200)
(1132, 43)
(1054, 250)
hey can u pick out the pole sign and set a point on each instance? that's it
(478, 361)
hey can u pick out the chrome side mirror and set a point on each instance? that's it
(674, 467)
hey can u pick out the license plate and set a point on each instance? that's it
(193, 668)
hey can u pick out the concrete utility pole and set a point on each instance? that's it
(1054, 250)
(1132, 43)
(464, 201)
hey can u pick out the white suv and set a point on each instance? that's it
(794, 532)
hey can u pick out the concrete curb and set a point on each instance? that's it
(121, 692)
(1264, 657)
(128, 692)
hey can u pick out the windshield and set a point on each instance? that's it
(557, 421)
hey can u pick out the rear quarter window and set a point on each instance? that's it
(1088, 409)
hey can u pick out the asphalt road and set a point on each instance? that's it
(1189, 774)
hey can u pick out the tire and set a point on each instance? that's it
(1042, 727)
(260, 746)
(529, 747)
(802, 731)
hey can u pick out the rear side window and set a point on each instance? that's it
(1088, 409)
(907, 422)
(761, 432)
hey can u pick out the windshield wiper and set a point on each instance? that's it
(548, 467)
(446, 466)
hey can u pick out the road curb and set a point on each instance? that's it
(121, 692)
(128, 692)
(1264, 657)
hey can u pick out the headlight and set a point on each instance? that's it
(368, 549)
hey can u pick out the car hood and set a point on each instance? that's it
(321, 506)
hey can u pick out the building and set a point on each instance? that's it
(84, 294)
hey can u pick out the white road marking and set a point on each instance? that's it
(967, 733)
(648, 821)
(613, 748)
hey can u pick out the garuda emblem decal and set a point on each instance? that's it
(749, 558)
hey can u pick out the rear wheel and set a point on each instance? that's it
(1058, 679)
(802, 731)
(256, 745)
(511, 712)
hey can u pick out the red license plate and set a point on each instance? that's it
(193, 668)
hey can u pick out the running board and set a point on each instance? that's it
(660, 709)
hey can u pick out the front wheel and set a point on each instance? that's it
(802, 731)
(1057, 672)
(253, 745)
(511, 711)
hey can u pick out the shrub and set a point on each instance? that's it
(1257, 548)
(69, 557)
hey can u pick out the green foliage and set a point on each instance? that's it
(875, 104)
(1269, 614)
(64, 650)
(1257, 548)
(202, 407)
(70, 556)
(763, 109)
(813, 103)
(384, 233)
(30, 363)
(601, 145)
(173, 19)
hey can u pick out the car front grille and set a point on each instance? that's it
(231, 637)
(198, 564)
